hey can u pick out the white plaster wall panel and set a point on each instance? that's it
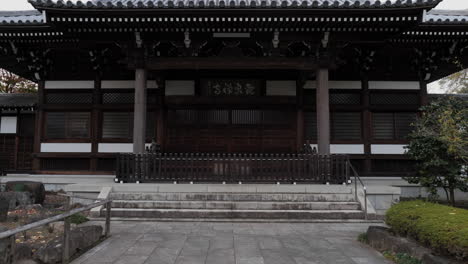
(8, 125)
(66, 147)
(384, 85)
(387, 149)
(176, 87)
(285, 88)
(344, 148)
(347, 148)
(312, 84)
(69, 84)
(129, 84)
(116, 147)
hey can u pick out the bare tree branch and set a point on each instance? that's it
(12, 83)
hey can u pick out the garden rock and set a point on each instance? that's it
(81, 238)
(431, 259)
(4, 206)
(17, 199)
(36, 189)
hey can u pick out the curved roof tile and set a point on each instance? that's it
(131, 4)
(21, 17)
(447, 17)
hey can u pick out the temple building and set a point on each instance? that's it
(223, 78)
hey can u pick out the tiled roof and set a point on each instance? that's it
(17, 100)
(131, 4)
(21, 17)
(447, 16)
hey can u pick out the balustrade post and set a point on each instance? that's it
(108, 218)
(66, 241)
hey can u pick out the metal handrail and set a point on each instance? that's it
(66, 217)
(356, 179)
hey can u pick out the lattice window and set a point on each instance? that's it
(66, 125)
(69, 98)
(310, 125)
(118, 98)
(388, 126)
(394, 99)
(346, 125)
(216, 117)
(72, 164)
(345, 98)
(246, 117)
(119, 125)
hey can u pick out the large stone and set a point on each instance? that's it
(36, 189)
(4, 206)
(431, 259)
(81, 239)
(17, 199)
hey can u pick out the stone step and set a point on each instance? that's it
(236, 214)
(145, 204)
(286, 197)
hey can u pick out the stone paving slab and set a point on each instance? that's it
(232, 243)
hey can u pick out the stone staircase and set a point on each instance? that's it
(237, 202)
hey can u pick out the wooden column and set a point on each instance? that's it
(423, 98)
(139, 112)
(300, 114)
(96, 122)
(323, 112)
(38, 125)
(366, 124)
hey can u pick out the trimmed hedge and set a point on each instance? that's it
(442, 228)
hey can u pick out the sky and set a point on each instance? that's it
(432, 88)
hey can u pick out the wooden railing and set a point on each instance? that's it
(66, 228)
(232, 168)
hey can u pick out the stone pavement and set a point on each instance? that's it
(232, 243)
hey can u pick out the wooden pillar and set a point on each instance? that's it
(95, 121)
(139, 112)
(366, 124)
(39, 123)
(300, 114)
(423, 98)
(161, 118)
(323, 112)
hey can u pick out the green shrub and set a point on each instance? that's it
(78, 219)
(442, 228)
(401, 258)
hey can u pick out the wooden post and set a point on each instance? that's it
(366, 123)
(66, 241)
(38, 125)
(95, 116)
(108, 217)
(323, 112)
(139, 117)
(423, 98)
(300, 113)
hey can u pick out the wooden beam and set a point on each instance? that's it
(366, 123)
(226, 63)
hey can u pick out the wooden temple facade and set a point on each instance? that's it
(228, 77)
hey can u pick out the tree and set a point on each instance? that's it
(456, 83)
(439, 142)
(12, 83)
